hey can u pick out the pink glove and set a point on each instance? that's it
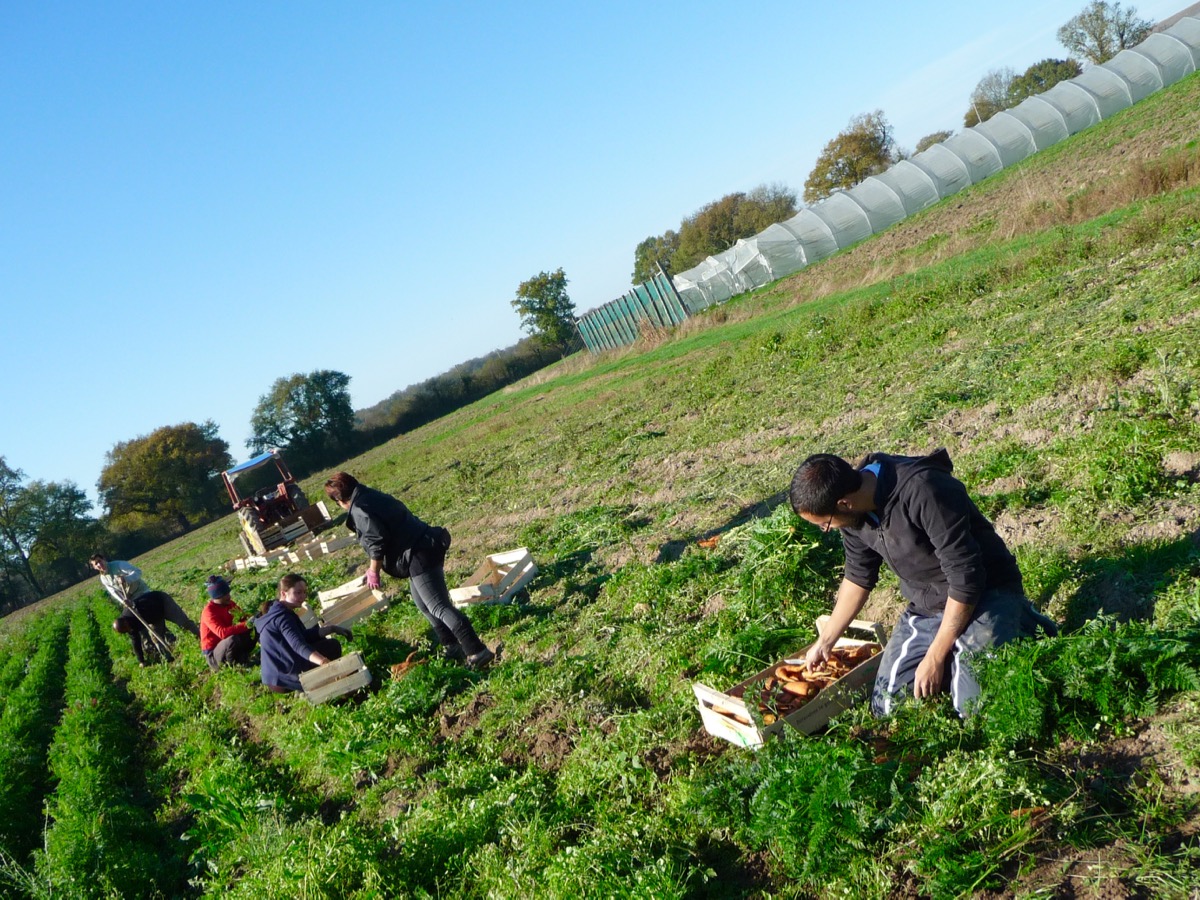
(372, 579)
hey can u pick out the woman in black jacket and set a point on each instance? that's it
(400, 544)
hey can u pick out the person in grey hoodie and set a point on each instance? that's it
(400, 544)
(962, 584)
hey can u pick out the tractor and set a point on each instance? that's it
(272, 508)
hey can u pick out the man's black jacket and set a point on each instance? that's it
(930, 533)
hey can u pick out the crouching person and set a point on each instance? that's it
(124, 583)
(961, 582)
(287, 647)
(143, 621)
(222, 640)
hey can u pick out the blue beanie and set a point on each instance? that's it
(217, 586)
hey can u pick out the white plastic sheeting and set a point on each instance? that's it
(1045, 123)
(847, 220)
(1077, 105)
(816, 240)
(949, 173)
(913, 187)
(847, 217)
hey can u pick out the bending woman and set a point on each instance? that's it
(399, 543)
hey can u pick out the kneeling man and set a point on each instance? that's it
(962, 584)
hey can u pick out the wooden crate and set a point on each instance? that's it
(308, 618)
(497, 580)
(350, 608)
(317, 548)
(243, 564)
(335, 678)
(726, 715)
(316, 516)
(353, 586)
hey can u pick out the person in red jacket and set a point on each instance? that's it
(222, 640)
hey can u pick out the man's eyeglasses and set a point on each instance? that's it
(828, 523)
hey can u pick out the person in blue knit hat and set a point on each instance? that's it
(222, 640)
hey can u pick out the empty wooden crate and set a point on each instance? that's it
(335, 678)
(308, 618)
(498, 579)
(350, 602)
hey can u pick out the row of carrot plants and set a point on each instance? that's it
(26, 728)
(101, 839)
(237, 805)
(17, 650)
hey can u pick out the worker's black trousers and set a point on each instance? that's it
(427, 581)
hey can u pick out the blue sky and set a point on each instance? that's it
(197, 199)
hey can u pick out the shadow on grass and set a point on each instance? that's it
(576, 572)
(736, 875)
(379, 651)
(673, 549)
(1124, 585)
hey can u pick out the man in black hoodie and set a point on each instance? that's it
(962, 584)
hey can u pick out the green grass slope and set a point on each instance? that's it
(1042, 325)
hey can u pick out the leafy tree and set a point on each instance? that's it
(1040, 77)
(990, 96)
(1102, 30)
(165, 480)
(763, 207)
(45, 531)
(653, 252)
(308, 415)
(930, 139)
(545, 308)
(719, 225)
(12, 530)
(866, 147)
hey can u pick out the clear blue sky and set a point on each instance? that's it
(199, 198)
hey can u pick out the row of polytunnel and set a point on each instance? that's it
(966, 158)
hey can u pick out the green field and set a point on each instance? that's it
(1043, 326)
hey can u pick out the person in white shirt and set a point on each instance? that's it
(129, 591)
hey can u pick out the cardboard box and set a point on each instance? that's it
(726, 715)
(335, 678)
(497, 580)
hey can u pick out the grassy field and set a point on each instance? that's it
(1042, 326)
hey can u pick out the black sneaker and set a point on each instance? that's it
(480, 660)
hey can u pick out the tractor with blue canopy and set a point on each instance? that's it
(271, 506)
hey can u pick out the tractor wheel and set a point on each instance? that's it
(250, 524)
